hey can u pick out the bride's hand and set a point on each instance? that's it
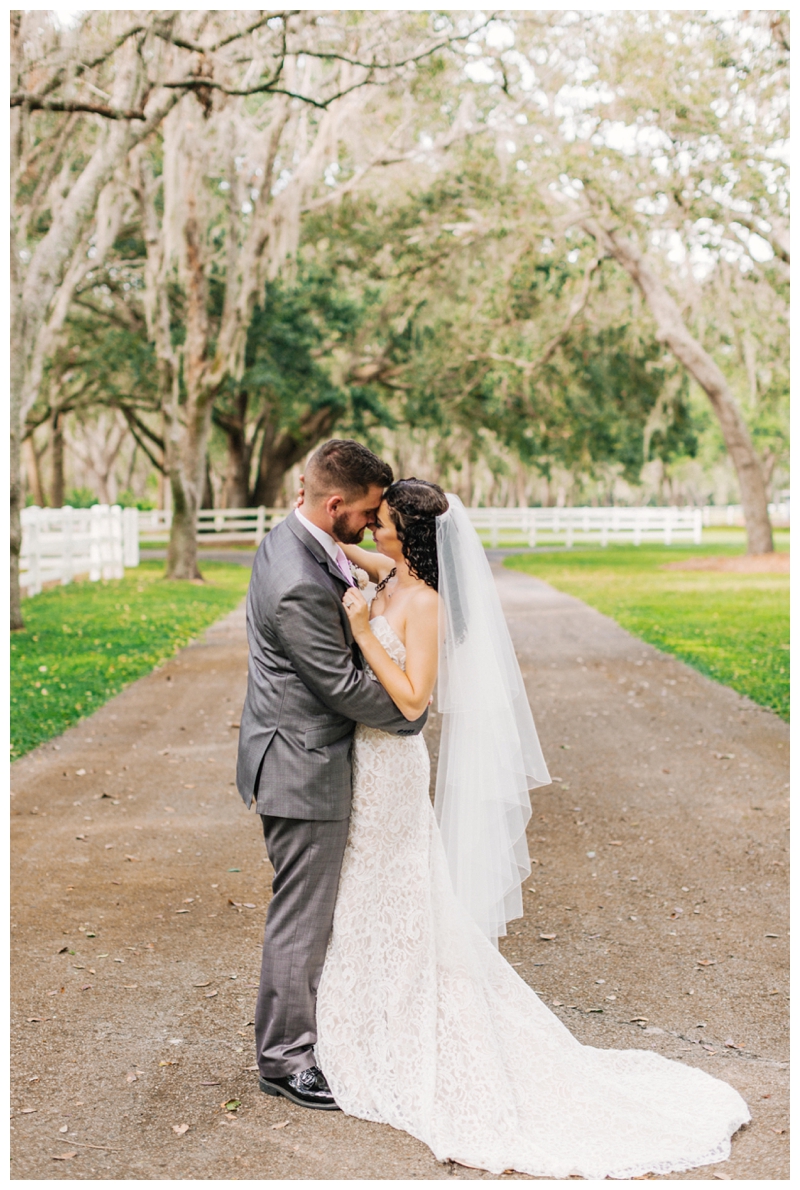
(357, 610)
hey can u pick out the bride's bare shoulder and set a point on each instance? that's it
(424, 603)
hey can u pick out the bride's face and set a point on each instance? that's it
(384, 534)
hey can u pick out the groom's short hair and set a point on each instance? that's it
(346, 466)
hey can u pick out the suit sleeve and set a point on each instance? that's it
(309, 628)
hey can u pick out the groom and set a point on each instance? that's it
(306, 690)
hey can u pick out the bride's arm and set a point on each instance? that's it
(409, 691)
(376, 565)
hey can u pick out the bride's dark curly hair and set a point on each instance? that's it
(414, 505)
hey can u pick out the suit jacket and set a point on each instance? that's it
(306, 686)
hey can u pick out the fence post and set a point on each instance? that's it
(95, 544)
(130, 537)
(34, 583)
(261, 529)
(637, 526)
(493, 532)
(604, 529)
(116, 562)
(668, 527)
(570, 526)
(698, 526)
(67, 570)
(532, 528)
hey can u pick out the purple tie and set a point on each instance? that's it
(344, 566)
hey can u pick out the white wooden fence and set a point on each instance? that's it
(588, 524)
(530, 525)
(215, 524)
(732, 514)
(58, 544)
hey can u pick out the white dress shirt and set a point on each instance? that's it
(331, 547)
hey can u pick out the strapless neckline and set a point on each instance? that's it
(388, 625)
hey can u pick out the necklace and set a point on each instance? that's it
(384, 581)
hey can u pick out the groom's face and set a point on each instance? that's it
(350, 519)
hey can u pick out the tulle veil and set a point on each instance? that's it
(490, 754)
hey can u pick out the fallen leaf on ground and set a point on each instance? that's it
(232, 1104)
(731, 1044)
(64, 1156)
(130, 986)
(87, 987)
(210, 995)
(546, 938)
(615, 843)
(206, 984)
(188, 787)
(283, 1124)
(64, 1128)
(64, 950)
(130, 1078)
(179, 1129)
(26, 1111)
(211, 1084)
(778, 1131)
(134, 859)
(724, 755)
(181, 910)
(168, 1062)
(246, 905)
(31, 1019)
(706, 962)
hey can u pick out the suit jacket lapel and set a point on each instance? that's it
(319, 552)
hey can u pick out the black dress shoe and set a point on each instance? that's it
(308, 1089)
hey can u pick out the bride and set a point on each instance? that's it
(422, 1024)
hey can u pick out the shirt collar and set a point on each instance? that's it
(325, 540)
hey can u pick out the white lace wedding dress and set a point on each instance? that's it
(422, 1024)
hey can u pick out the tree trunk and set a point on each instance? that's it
(672, 330)
(240, 453)
(15, 432)
(33, 472)
(280, 450)
(208, 488)
(182, 548)
(57, 447)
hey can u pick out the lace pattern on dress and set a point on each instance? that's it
(422, 1024)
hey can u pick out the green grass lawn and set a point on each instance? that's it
(732, 627)
(82, 643)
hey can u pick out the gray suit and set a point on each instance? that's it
(306, 690)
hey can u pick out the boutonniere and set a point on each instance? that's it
(360, 576)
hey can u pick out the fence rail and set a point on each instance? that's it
(589, 524)
(532, 524)
(58, 544)
(216, 524)
(733, 514)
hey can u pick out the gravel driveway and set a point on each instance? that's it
(657, 910)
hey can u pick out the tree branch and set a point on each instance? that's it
(40, 103)
(185, 44)
(576, 306)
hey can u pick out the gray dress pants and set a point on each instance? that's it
(307, 858)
